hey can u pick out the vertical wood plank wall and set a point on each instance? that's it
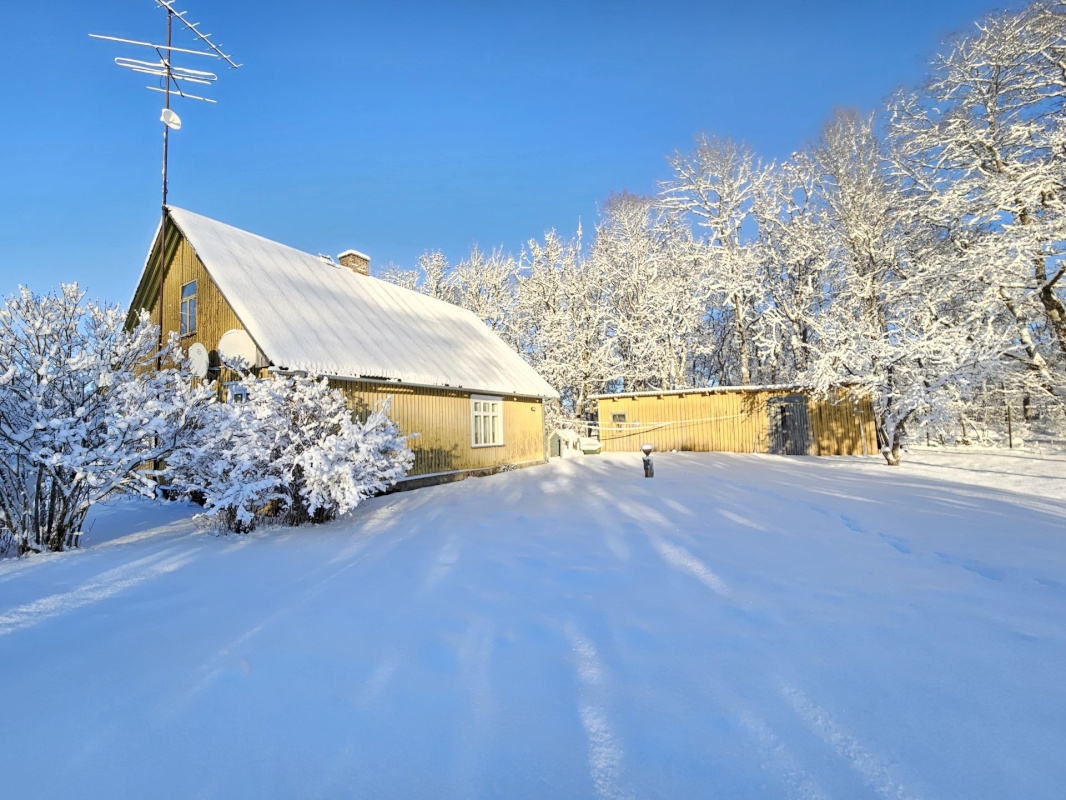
(214, 316)
(734, 422)
(844, 428)
(442, 419)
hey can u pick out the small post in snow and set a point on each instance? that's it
(649, 468)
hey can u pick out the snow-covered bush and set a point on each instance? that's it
(290, 451)
(83, 412)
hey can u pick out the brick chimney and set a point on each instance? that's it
(357, 262)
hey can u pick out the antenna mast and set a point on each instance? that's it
(172, 79)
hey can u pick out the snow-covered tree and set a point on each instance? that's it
(792, 251)
(83, 412)
(404, 278)
(714, 185)
(561, 321)
(896, 326)
(436, 276)
(983, 153)
(485, 285)
(291, 450)
(871, 333)
(657, 290)
(433, 277)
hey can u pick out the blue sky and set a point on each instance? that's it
(394, 128)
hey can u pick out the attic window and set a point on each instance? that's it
(188, 309)
(486, 421)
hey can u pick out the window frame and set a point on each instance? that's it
(478, 415)
(187, 318)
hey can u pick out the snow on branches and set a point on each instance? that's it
(89, 408)
(291, 451)
(917, 257)
(982, 156)
(83, 412)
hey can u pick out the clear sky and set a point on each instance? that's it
(397, 127)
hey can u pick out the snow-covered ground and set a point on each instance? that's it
(738, 627)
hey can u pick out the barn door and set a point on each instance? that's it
(790, 425)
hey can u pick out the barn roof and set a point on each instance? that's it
(770, 387)
(310, 314)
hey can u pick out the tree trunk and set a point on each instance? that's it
(1053, 306)
(891, 434)
(742, 343)
(893, 452)
(1056, 314)
(1036, 362)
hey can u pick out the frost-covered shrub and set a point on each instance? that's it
(290, 451)
(83, 412)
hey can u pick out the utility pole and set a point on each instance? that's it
(166, 153)
(172, 79)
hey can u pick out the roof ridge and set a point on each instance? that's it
(308, 315)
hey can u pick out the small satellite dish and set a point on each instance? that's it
(237, 345)
(199, 360)
(170, 119)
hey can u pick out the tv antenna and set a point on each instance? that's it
(173, 80)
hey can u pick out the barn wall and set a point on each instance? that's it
(733, 422)
(442, 419)
(843, 428)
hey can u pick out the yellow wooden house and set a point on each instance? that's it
(471, 403)
(740, 419)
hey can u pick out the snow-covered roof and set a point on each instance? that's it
(773, 387)
(306, 313)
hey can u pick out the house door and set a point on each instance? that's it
(790, 425)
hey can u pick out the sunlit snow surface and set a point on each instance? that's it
(736, 627)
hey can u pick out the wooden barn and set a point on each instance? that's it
(736, 419)
(472, 401)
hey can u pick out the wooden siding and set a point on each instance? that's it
(843, 428)
(734, 422)
(214, 316)
(441, 417)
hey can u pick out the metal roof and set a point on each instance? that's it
(776, 387)
(306, 313)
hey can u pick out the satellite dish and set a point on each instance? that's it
(170, 119)
(237, 345)
(199, 360)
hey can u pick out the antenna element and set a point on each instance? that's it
(172, 79)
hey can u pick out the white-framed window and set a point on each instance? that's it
(486, 421)
(188, 309)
